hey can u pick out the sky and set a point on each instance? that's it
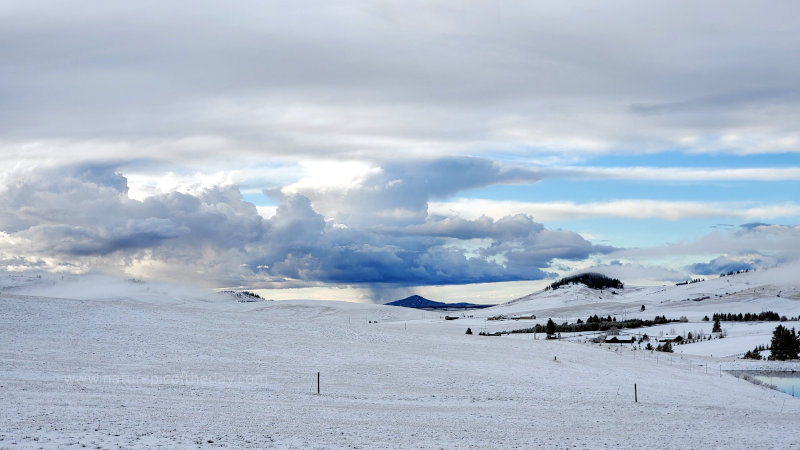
(369, 150)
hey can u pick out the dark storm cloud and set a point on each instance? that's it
(301, 245)
(417, 255)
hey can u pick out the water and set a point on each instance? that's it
(788, 382)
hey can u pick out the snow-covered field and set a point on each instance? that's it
(117, 364)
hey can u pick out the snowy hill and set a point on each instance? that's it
(775, 289)
(103, 363)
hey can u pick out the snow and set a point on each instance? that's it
(104, 363)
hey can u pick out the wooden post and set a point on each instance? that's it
(635, 394)
(317, 383)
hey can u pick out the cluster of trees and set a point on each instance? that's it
(684, 283)
(244, 296)
(592, 280)
(596, 319)
(665, 347)
(662, 320)
(734, 273)
(755, 353)
(748, 317)
(696, 336)
(594, 323)
(785, 344)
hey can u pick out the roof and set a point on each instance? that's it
(620, 338)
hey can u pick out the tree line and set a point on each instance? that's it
(594, 323)
(748, 317)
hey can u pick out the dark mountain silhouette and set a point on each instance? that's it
(419, 302)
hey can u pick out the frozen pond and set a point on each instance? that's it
(788, 382)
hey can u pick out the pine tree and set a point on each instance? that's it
(785, 344)
(752, 354)
(665, 347)
(717, 328)
(551, 327)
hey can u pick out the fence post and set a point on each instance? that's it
(317, 383)
(635, 394)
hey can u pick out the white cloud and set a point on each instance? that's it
(362, 79)
(142, 187)
(682, 173)
(321, 175)
(628, 209)
(761, 244)
(397, 191)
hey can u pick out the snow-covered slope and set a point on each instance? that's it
(136, 365)
(775, 289)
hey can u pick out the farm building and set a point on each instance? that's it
(620, 339)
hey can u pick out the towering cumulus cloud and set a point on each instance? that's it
(81, 218)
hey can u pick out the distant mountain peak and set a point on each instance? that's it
(420, 302)
(416, 301)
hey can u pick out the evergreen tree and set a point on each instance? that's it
(551, 327)
(752, 354)
(665, 347)
(717, 328)
(785, 344)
